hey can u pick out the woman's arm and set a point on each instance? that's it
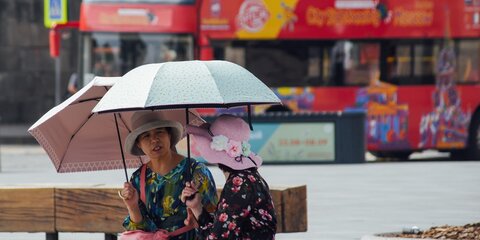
(130, 197)
(138, 218)
(203, 181)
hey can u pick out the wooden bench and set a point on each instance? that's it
(98, 209)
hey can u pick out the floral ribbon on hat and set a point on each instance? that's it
(233, 148)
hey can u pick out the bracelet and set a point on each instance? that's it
(120, 195)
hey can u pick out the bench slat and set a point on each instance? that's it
(89, 210)
(27, 210)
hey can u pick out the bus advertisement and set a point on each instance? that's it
(411, 65)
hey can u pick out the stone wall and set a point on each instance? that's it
(27, 72)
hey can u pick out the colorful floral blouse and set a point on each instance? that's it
(245, 210)
(164, 207)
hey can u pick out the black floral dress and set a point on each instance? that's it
(245, 210)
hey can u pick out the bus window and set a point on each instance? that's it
(340, 66)
(114, 54)
(326, 66)
(105, 57)
(399, 63)
(424, 62)
(411, 63)
(235, 55)
(278, 64)
(314, 65)
(350, 62)
(365, 65)
(468, 61)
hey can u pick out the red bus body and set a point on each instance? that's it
(433, 109)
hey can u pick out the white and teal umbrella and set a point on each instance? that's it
(186, 84)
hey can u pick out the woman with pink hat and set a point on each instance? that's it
(245, 209)
(153, 194)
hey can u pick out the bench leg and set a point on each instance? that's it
(52, 236)
(110, 236)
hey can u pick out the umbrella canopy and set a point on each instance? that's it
(186, 84)
(76, 139)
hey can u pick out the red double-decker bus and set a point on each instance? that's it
(412, 65)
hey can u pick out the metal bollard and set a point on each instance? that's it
(51, 236)
(110, 236)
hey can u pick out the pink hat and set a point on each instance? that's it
(225, 141)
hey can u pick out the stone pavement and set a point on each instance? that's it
(345, 201)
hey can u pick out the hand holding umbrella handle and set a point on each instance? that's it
(121, 196)
(129, 195)
(191, 196)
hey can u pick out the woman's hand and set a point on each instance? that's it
(192, 199)
(190, 196)
(129, 195)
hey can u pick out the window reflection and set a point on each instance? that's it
(424, 59)
(352, 62)
(399, 61)
(468, 61)
(114, 54)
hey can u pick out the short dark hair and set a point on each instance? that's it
(229, 169)
(168, 129)
(225, 168)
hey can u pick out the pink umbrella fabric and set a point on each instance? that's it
(78, 140)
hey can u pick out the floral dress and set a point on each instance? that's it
(245, 210)
(164, 209)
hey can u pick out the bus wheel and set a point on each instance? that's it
(397, 155)
(473, 149)
(458, 154)
(378, 154)
(401, 155)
